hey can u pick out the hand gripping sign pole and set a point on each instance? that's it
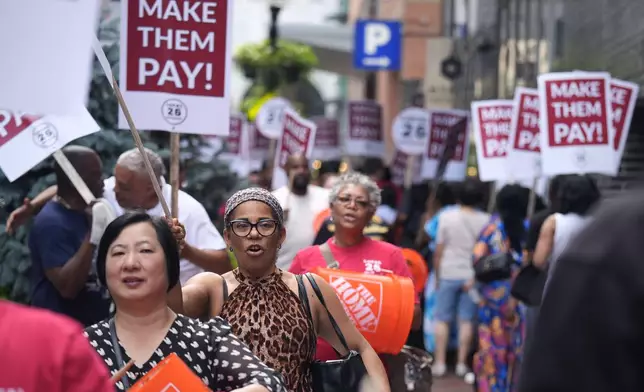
(102, 59)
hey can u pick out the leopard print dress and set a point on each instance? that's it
(270, 318)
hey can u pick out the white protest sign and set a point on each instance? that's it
(524, 154)
(26, 140)
(623, 96)
(46, 55)
(176, 65)
(364, 129)
(298, 137)
(491, 126)
(270, 118)
(441, 123)
(575, 123)
(410, 130)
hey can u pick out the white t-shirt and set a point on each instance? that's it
(299, 228)
(458, 231)
(200, 232)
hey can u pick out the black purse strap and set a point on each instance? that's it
(325, 249)
(336, 328)
(117, 352)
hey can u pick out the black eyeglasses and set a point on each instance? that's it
(346, 200)
(242, 227)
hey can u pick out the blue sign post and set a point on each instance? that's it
(377, 45)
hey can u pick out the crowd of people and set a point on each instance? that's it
(145, 286)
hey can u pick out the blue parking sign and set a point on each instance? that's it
(377, 45)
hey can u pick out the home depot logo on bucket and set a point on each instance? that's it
(170, 375)
(359, 301)
(367, 298)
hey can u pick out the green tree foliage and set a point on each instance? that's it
(209, 179)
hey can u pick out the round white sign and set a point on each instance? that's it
(411, 130)
(270, 118)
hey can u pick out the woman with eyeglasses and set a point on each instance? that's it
(354, 199)
(275, 312)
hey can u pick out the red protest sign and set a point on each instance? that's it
(296, 137)
(234, 139)
(577, 111)
(177, 46)
(440, 125)
(258, 141)
(326, 135)
(623, 97)
(365, 121)
(13, 123)
(527, 117)
(493, 128)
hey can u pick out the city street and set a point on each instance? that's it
(451, 383)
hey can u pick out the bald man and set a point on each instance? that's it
(62, 243)
(301, 203)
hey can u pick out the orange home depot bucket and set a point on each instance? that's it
(418, 268)
(170, 375)
(320, 218)
(381, 306)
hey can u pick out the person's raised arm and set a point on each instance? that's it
(204, 246)
(353, 337)
(28, 209)
(202, 296)
(546, 241)
(228, 349)
(66, 267)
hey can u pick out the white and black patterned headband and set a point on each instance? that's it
(254, 194)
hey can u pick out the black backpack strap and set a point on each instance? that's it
(225, 289)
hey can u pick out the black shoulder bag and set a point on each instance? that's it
(341, 375)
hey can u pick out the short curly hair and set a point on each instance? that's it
(357, 179)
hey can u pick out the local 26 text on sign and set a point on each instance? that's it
(177, 46)
(527, 133)
(13, 123)
(577, 112)
(494, 123)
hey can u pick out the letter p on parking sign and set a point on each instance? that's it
(377, 45)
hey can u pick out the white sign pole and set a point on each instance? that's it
(73, 176)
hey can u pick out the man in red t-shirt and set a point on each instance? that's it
(42, 351)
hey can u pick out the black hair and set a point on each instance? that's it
(77, 156)
(329, 167)
(471, 193)
(389, 197)
(445, 194)
(372, 166)
(553, 189)
(577, 195)
(164, 235)
(512, 205)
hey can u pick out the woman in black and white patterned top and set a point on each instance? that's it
(138, 260)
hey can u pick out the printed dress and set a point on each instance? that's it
(497, 362)
(209, 349)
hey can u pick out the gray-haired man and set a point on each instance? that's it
(131, 189)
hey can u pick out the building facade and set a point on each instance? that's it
(608, 35)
